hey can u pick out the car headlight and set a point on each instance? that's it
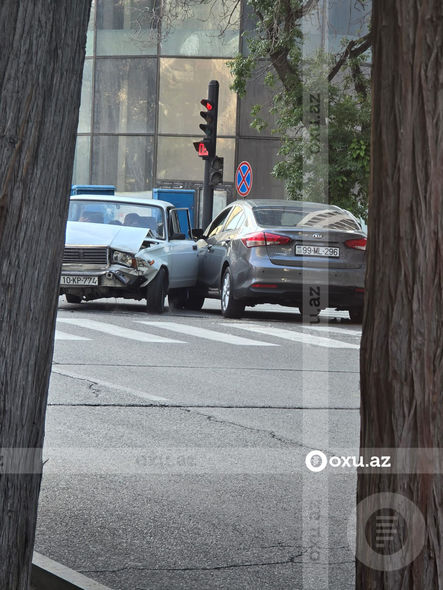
(124, 258)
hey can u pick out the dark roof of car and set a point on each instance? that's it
(287, 203)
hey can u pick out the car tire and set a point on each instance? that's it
(230, 307)
(311, 315)
(73, 298)
(177, 298)
(194, 300)
(156, 293)
(186, 299)
(356, 314)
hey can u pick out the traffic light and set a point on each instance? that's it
(206, 146)
(216, 171)
(202, 147)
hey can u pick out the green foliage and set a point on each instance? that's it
(241, 69)
(325, 149)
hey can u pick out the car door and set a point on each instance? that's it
(181, 250)
(212, 251)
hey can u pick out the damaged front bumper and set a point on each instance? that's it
(115, 281)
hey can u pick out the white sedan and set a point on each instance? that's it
(132, 248)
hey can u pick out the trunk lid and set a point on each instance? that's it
(314, 248)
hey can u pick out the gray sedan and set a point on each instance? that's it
(293, 253)
(129, 247)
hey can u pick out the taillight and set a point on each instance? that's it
(254, 240)
(264, 286)
(276, 240)
(264, 238)
(359, 244)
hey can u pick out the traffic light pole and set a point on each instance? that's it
(208, 197)
(208, 190)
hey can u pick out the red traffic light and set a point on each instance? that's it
(207, 104)
(202, 151)
(201, 148)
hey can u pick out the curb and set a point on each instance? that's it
(51, 575)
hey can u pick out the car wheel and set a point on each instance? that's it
(230, 307)
(156, 293)
(356, 314)
(309, 315)
(194, 300)
(73, 298)
(177, 298)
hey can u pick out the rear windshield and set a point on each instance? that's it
(292, 217)
(112, 213)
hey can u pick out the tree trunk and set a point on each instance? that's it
(41, 63)
(402, 343)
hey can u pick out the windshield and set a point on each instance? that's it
(298, 217)
(149, 217)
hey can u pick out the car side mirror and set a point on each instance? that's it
(197, 233)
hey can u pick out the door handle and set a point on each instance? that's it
(226, 242)
(210, 247)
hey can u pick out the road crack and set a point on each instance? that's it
(207, 367)
(291, 560)
(271, 433)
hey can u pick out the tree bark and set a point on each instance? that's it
(41, 63)
(402, 342)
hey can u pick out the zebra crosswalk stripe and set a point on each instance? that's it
(117, 330)
(300, 335)
(294, 336)
(328, 330)
(59, 335)
(207, 334)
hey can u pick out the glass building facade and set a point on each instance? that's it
(144, 76)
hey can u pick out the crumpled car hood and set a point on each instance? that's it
(127, 239)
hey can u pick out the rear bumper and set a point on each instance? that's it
(339, 297)
(343, 288)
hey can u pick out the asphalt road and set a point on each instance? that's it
(176, 448)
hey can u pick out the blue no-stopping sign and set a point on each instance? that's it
(243, 179)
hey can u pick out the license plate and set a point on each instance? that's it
(75, 281)
(317, 251)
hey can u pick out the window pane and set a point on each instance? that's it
(84, 121)
(348, 18)
(183, 83)
(123, 161)
(125, 95)
(127, 27)
(80, 173)
(217, 224)
(235, 218)
(202, 29)
(177, 159)
(248, 27)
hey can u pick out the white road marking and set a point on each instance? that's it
(65, 336)
(334, 330)
(207, 334)
(295, 336)
(117, 331)
(114, 386)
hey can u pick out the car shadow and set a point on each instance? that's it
(130, 306)
(122, 306)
